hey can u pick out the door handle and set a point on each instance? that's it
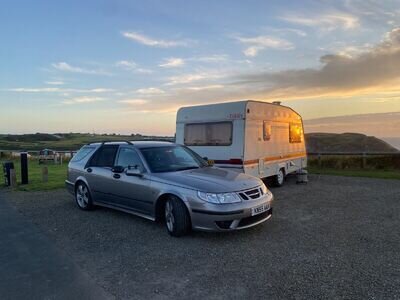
(89, 170)
(117, 176)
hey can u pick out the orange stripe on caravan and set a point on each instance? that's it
(279, 157)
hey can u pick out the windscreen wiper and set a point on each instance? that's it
(187, 168)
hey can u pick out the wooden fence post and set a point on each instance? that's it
(13, 178)
(319, 160)
(364, 160)
(45, 174)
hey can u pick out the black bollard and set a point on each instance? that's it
(24, 167)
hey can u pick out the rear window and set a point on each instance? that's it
(104, 157)
(82, 153)
(208, 134)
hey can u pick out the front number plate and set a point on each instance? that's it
(259, 209)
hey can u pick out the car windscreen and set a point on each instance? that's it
(171, 159)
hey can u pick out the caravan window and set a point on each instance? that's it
(295, 133)
(208, 134)
(267, 130)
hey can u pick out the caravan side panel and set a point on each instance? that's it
(268, 141)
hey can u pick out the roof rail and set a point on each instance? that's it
(103, 142)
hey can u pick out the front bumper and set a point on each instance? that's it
(70, 187)
(234, 217)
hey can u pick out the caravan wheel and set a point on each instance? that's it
(279, 178)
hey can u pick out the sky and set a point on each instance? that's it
(127, 66)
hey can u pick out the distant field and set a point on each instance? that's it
(57, 175)
(70, 141)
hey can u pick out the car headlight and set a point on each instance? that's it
(220, 198)
(264, 189)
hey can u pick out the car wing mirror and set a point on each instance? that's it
(118, 169)
(133, 171)
(208, 161)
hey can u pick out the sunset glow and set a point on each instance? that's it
(126, 67)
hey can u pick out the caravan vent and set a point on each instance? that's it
(277, 102)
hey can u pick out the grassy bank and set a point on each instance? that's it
(56, 176)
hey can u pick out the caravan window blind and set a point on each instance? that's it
(208, 134)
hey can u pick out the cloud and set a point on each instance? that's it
(328, 22)
(132, 66)
(205, 87)
(192, 77)
(65, 67)
(83, 99)
(362, 74)
(58, 90)
(172, 62)
(54, 82)
(262, 42)
(150, 91)
(134, 101)
(377, 66)
(35, 90)
(148, 41)
(212, 58)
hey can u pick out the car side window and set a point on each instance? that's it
(104, 157)
(128, 157)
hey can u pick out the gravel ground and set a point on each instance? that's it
(336, 237)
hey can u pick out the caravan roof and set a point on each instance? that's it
(236, 110)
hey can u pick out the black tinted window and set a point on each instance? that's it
(104, 157)
(128, 158)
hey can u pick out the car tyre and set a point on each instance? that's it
(279, 178)
(82, 197)
(177, 220)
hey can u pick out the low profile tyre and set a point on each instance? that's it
(279, 178)
(177, 219)
(82, 197)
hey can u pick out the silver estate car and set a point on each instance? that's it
(167, 182)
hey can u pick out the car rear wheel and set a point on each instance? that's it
(177, 219)
(279, 178)
(82, 197)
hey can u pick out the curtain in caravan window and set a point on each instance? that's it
(195, 134)
(208, 134)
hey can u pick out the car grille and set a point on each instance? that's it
(251, 194)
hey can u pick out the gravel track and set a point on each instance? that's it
(336, 237)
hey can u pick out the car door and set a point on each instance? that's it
(133, 191)
(99, 175)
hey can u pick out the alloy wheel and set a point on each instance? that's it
(169, 216)
(82, 196)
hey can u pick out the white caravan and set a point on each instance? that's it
(258, 138)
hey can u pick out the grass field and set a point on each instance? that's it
(56, 176)
(69, 141)
(383, 174)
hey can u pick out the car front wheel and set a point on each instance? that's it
(82, 197)
(177, 219)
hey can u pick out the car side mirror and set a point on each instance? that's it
(133, 171)
(209, 162)
(118, 169)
